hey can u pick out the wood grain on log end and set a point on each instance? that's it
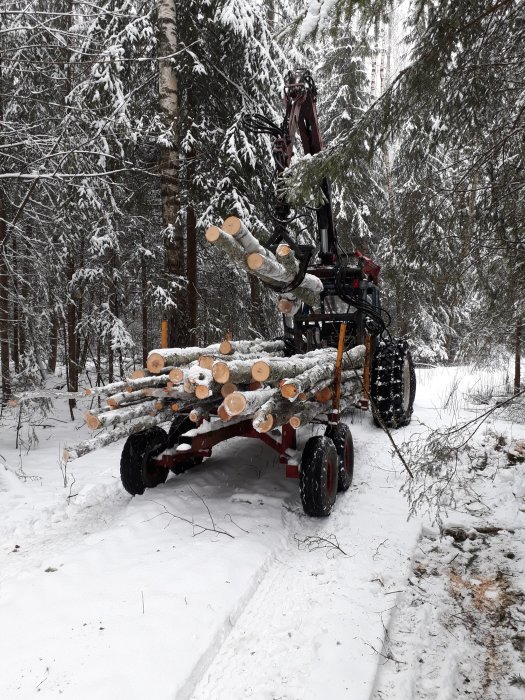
(155, 362)
(175, 407)
(283, 249)
(225, 348)
(159, 405)
(212, 234)
(138, 374)
(234, 403)
(92, 421)
(176, 375)
(231, 225)
(112, 403)
(228, 389)
(285, 306)
(289, 391)
(324, 395)
(295, 422)
(88, 391)
(265, 425)
(260, 371)
(206, 361)
(255, 261)
(221, 372)
(202, 392)
(223, 413)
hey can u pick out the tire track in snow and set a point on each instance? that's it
(318, 614)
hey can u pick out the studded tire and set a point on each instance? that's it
(318, 477)
(180, 425)
(393, 384)
(137, 471)
(344, 446)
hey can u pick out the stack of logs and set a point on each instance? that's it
(232, 380)
(227, 381)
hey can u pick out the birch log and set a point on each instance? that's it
(79, 449)
(274, 412)
(268, 266)
(272, 370)
(242, 235)
(239, 371)
(242, 403)
(291, 388)
(120, 415)
(125, 397)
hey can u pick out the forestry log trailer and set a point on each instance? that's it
(348, 315)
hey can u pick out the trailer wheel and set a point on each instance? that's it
(179, 426)
(393, 385)
(344, 446)
(318, 477)
(137, 471)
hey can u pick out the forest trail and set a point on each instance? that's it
(216, 581)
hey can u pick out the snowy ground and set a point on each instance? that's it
(107, 596)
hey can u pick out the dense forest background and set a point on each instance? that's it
(122, 137)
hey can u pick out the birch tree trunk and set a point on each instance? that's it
(169, 175)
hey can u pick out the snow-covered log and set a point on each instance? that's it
(287, 258)
(274, 369)
(125, 397)
(274, 412)
(120, 415)
(301, 383)
(29, 396)
(252, 347)
(268, 266)
(79, 449)
(244, 403)
(234, 226)
(239, 371)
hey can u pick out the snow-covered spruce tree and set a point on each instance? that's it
(457, 102)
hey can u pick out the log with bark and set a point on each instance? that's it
(107, 437)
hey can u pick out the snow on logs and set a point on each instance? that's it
(244, 249)
(251, 380)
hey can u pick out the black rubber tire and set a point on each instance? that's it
(137, 473)
(393, 384)
(318, 477)
(341, 436)
(180, 425)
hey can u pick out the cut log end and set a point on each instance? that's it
(206, 361)
(159, 405)
(202, 392)
(324, 395)
(232, 225)
(155, 362)
(285, 306)
(283, 250)
(88, 391)
(295, 422)
(289, 391)
(221, 372)
(234, 403)
(212, 234)
(138, 374)
(225, 348)
(260, 371)
(175, 407)
(112, 403)
(92, 421)
(255, 261)
(265, 425)
(228, 389)
(223, 413)
(176, 375)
